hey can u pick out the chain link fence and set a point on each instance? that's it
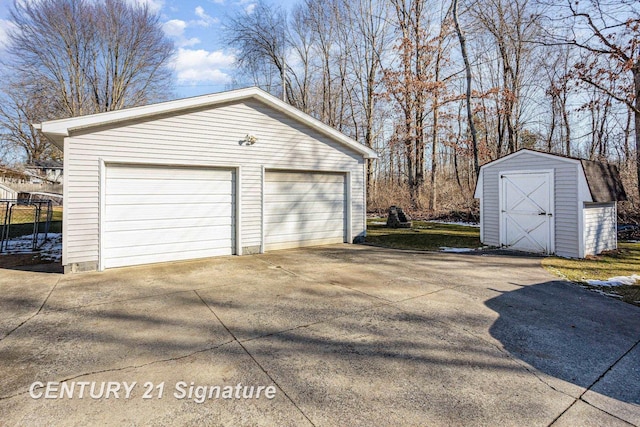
(24, 224)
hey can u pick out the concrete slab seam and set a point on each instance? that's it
(35, 314)
(124, 368)
(580, 398)
(97, 304)
(255, 361)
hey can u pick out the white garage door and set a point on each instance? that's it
(303, 209)
(158, 214)
(526, 211)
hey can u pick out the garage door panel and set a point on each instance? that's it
(174, 173)
(163, 257)
(164, 211)
(319, 235)
(158, 214)
(164, 224)
(166, 187)
(184, 232)
(170, 200)
(294, 199)
(295, 226)
(276, 177)
(182, 236)
(303, 209)
(302, 188)
(276, 216)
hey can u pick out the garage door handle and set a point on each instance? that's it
(542, 213)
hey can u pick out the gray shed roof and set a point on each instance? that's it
(604, 181)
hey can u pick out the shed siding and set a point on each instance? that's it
(208, 137)
(599, 228)
(565, 196)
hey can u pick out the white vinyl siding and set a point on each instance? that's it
(303, 209)
(566, 213)
(157, 214)
(210, 137)
(600, 227)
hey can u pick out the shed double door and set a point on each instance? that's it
(526, 211)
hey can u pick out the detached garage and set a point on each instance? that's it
(544, 203)
(237, 172)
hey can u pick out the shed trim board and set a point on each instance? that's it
(236, 183)
(549, 220)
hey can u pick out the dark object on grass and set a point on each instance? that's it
(397, 218)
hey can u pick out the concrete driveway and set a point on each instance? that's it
(343, 335)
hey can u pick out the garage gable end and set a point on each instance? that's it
(57, 130)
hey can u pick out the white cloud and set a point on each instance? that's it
(205, 19)
(201, 66)
(249, 9)
(154, 5)
(174, 27)
(189, 42)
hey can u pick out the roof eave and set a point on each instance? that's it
(57, 130)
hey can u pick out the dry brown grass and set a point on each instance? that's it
(449, 198)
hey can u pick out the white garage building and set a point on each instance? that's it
(237, 172)
(545, 203)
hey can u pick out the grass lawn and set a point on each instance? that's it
(24, 215)
(423, 235)
(623, 262)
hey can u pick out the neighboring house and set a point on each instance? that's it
(545, 203)
(49, 170)
(10, 176)
(237, 172)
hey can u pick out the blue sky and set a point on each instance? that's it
(203, 64)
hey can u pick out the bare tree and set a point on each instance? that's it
(261, 41)
(467, 66)
(74, 57)
(608, 36)
(18, 111)
(371, 29)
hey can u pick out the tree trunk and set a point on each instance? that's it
(467, 66)
(636, 116)
(434, 153)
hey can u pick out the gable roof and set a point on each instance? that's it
(57, 130)
(602, 179)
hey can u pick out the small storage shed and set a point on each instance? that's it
(545, 203)
(237, 172)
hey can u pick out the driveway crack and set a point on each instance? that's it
(255, 361)
(597, 380)
(124, 368)
(36, 313)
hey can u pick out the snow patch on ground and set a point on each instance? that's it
(378, 223)
(466, 224)
(616, 281)
(51, 249)
(455, 250)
